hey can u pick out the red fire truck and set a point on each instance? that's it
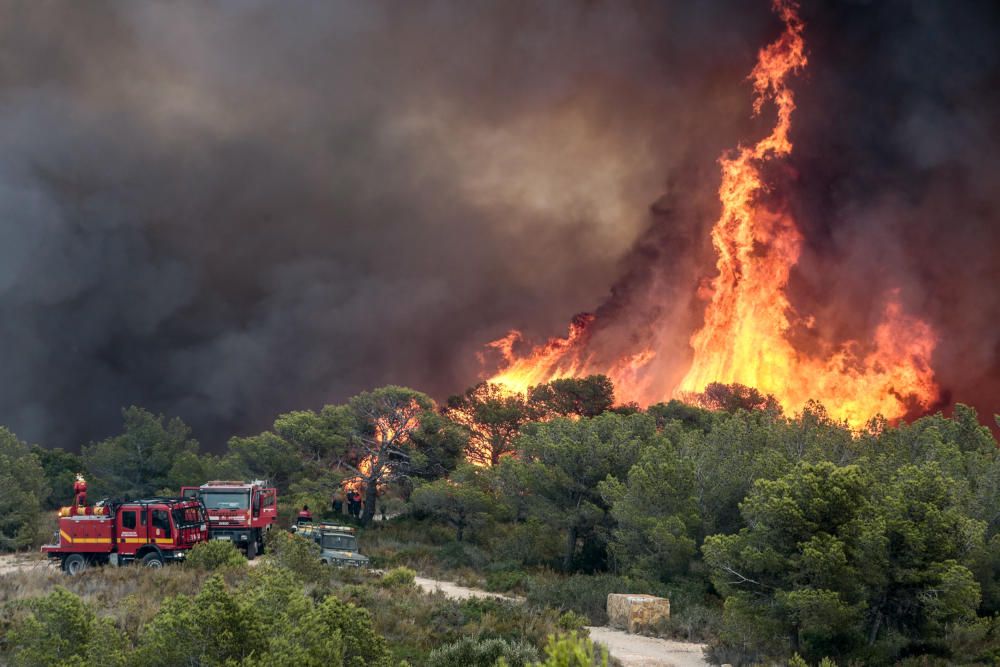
(241, 512)
(153, 531)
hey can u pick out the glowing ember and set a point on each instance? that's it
(744, 338)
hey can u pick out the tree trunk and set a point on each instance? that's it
(873, 633)
(371, 494)
(570, 549)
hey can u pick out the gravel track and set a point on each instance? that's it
(631, 650)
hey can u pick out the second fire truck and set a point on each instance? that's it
(241, 512)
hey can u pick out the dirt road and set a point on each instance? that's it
(459, 592)
(631, 650)
(639, 651)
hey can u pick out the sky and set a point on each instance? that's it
(227, 210)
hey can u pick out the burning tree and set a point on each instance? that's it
(381, 447)
(494, 416)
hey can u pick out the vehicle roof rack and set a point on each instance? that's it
(327, 525)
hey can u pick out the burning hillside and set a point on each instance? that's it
(751, 330)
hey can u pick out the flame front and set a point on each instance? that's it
(558, 358)
(744, 338)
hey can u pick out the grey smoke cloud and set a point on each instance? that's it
(226, 210)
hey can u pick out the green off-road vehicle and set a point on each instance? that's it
(338, 544)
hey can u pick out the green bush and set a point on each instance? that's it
(505, 581)
(268, 620)
(573, 650)
(532, 542)
(60, 629)
(473, 652)
(400, 577)
(584, 594)
(297, 554)
(214, 555)
(22, 489)
(211, 628)
(462, 554)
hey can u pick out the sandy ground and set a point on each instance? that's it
(459, 592)
(10, 563)
(631, 650)
(639, 651)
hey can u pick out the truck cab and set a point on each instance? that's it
(239, 512)
(338, 544)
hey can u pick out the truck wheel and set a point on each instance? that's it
(152, 559)
(252, 548)
(74, 564)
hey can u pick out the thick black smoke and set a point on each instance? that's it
(227, 210)
(897, 156)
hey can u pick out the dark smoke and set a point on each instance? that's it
(227, 210)
(897, 151)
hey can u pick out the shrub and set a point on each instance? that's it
(584, 594)
(573, 650)
(61, 630)
(211, 628)
(532, 542)
(400, 577)
(363, 647)
(570, 621)
(215, 554)
(297, 554)
(506, 580)
(473, 652)
(23, 485)
(461, 554)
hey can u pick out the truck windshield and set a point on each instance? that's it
(189, 516)
(340, 542)
(226, 500)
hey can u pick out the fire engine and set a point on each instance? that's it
(152, 531)
(241, 512)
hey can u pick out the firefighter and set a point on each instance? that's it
(80, 489)
(305, 516)
(356, 504)
(338, 504)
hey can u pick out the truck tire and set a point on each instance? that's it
(252, 547)
(152, 559)
(74, 564)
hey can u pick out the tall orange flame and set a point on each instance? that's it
(744, 338)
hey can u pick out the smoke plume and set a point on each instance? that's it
(227, 210)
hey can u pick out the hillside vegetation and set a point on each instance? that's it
(776, 537)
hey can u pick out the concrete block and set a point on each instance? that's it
(636, 613)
